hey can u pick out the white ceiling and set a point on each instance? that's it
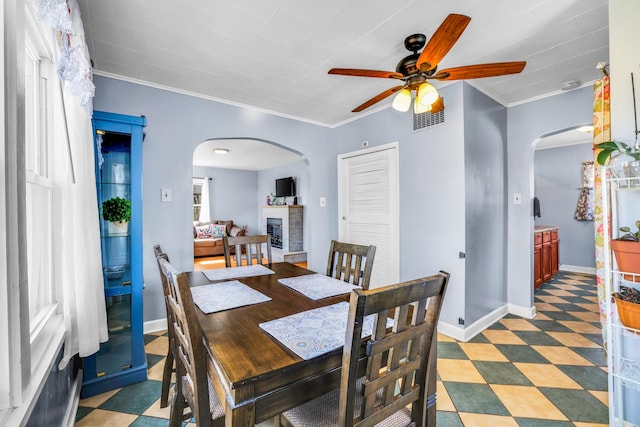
(274, 55)
(245, 154)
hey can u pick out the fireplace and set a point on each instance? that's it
(274, 229)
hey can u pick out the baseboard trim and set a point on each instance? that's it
(72, 406)
(577, 269)
(526, 312)
(451, 331)
(154, 326)
(465, 334)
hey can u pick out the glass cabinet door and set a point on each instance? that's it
(118, 157)
(114, 197)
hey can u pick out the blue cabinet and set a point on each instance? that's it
(118, 164)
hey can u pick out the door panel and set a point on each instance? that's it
(368, 207)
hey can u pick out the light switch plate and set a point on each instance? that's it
(166, 195)
(323, 202)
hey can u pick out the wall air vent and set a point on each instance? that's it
(423, 120)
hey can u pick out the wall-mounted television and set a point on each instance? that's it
(285, 187)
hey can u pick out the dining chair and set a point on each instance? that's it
(392, 387)
(168, 361)
(346, 262)
(247, 247)
(193, 385)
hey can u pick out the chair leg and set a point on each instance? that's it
(178, 404)
(166, 380)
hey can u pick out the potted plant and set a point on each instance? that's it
(625, 159)
(117, 211)
(627, 252)
(628, 305)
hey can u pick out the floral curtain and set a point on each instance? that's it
(584, 210)
(601, 133)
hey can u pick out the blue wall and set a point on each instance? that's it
(525, 124)
(176, 125)
(558, 179)
(451, 175)
(485, 124)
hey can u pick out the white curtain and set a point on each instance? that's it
(205, 211)
(81, 264)
(77, 259)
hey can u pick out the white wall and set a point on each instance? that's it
(624, 33)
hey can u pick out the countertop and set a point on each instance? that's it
(541, 228)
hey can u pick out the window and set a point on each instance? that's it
(31, 321)
(39, 191)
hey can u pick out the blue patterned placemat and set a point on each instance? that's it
(318, 286)
(225, 295)
(314, 332)
(235, 272)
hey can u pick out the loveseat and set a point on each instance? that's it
(207, 236)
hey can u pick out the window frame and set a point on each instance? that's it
(26, 353)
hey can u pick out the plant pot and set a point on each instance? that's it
(627, 255)
(117, 228)
(629, 313)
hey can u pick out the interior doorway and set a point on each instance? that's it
(368, 207)
(558, 165)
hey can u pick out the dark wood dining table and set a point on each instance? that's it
(254, 375)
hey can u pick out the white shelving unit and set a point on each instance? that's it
(621, 206)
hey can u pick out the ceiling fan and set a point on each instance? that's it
(415, 69)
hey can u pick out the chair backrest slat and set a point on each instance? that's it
(397, 356)
(191, 359)
(248, 248)
(346, 263)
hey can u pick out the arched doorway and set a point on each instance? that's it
(236, 175)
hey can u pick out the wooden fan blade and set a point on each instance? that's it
(366, 73)
(377, 98)
(442, 40)
(481, 70)
(437, 106)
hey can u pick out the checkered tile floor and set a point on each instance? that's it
(546, 372)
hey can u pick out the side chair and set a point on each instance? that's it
(396, 387)
(250, 246)
(193, 384)
(351, 263)
(168, 361)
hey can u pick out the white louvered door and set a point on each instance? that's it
(368, 207)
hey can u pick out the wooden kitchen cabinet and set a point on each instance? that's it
(545, 254)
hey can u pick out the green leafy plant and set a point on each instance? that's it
(116, 209)
(610, 147)
(631, 236)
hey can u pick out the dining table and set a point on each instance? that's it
(254, 375)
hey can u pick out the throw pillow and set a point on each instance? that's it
(219, 230)
(235, 231)
(228, 224)
(204, 231)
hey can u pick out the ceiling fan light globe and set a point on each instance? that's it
(427, 94)
(402, 100)
(419, 107)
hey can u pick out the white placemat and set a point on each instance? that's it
(314, 332)
(225, 295)
(318, 286)
(235, 272)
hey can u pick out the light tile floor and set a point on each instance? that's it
(546, 372)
